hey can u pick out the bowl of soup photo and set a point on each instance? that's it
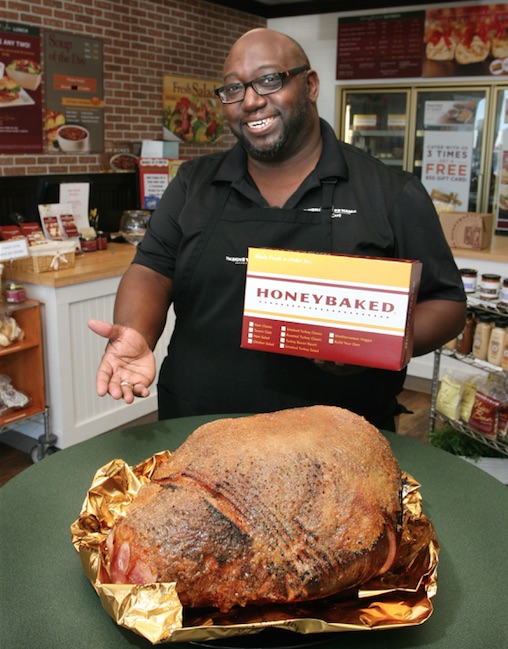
(73, 138)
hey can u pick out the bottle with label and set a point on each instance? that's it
(504, 358)
(496, 342)
(464, 344)
(481, 337)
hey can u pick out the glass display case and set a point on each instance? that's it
(455, 116)
(377, 122)
(498, 178)
(453, 136)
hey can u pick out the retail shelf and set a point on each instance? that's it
(379, 133)
(474, 301)
(494, 443)
(469, 359)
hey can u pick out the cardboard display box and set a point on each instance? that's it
(348, 309)
(471, 230)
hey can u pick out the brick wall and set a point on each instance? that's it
(142, 41)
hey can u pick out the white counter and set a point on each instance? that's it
(72, 351)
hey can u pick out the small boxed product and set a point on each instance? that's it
(10, 232)
(467, 229)
(365, 122)
(348, 309)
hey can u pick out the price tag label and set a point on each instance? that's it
(13, 249)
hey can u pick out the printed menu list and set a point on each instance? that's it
(381, 46)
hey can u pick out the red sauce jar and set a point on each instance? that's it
(102, 240)
(15, 293)
(88, 244)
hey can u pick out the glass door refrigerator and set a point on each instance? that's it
(448, 153)
(453, 136)
(377, 121)
(496, 189)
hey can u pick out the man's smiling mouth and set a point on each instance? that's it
(260, 123)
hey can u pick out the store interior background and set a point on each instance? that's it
(143, 40)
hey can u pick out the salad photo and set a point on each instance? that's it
(25, 72)
(195, 120)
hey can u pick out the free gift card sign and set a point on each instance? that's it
(347, 309)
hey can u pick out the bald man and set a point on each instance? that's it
(287, 183)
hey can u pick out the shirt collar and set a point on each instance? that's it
(331, 164)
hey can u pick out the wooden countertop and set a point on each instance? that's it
(498, 251)
(88, 267)
(114, 261)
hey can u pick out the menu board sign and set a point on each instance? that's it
(443, 42)
(381, 46)
(74, 116)
(20, 89)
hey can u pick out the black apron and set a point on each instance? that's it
(206, 371)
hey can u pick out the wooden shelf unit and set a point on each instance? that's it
(23, 362)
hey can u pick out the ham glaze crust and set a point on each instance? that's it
(280, 507)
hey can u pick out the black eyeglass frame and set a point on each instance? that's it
(283, 76)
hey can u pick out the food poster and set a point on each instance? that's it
(446, 166)
(192, 112)
(20, 89)
(74, 115)
(466, 41)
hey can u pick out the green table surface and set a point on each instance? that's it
(47, 602)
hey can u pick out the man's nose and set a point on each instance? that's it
(252, 98)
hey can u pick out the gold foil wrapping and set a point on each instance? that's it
(400, 597)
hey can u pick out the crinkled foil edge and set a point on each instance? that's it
(402, 597)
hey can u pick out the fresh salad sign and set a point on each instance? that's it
(191, 110)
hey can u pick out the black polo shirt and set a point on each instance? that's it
(372, 211)
(378, 211)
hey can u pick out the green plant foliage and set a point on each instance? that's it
(449, 439)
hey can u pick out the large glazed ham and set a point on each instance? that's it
(281, 507)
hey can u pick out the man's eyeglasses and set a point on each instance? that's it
(264, 85)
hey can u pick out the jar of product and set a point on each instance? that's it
(15, 293)
(102, 240)
(469, 276)
(88, 244)
(504, 291)
(481, 337)
(496, 342)
(490, 286)
(464, 344)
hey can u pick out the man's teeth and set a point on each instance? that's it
(260, 123)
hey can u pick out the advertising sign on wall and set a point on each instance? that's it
(20, 89)
(155, 174)
(191, 110)
(445, 42)
(74, 116)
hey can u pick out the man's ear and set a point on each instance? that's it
(312, 81)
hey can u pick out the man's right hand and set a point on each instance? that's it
(127, 368)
